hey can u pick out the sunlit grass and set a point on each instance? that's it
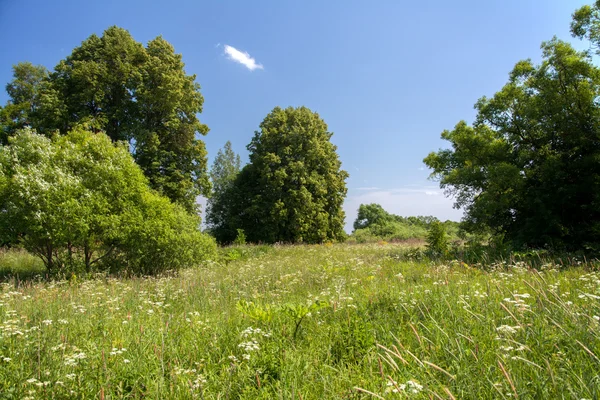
(18, 264)
(307, 322)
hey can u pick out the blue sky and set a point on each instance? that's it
(387, 76)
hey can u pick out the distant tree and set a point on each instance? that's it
(80, 202)
(24, 93)
(528, 169)
(139, 95)
(293, 188)
(371, 214)
(225, 169)
(374, 223)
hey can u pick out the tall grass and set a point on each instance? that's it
(18, 264)
(307, 322)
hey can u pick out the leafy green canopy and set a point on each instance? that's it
(80, 202)
(133, 93)
(293, 188)
(528, 169)
(586, 24)
(371, 214)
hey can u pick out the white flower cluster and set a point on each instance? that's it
(73, 359)
(410, 387)
(519, 301)
(250, 345)
(507, 329)
(115, 351)
(254, 331)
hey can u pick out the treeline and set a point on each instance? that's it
(373, 223)
(101, 165)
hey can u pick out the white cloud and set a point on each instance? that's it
(241, 57)
(405, 201)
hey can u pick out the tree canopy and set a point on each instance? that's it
(140, 95)
(293, 188)
(371, 214)
(528, 170)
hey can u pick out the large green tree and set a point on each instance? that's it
(529, 167)
(293, 188)
(224, 171)
(140, 95)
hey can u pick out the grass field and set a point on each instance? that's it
(305, 322)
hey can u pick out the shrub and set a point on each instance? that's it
(240, 239)
(160, 235)
(364, 236)
(437, 241)
(79, 202)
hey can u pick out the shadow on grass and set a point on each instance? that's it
(19, 266)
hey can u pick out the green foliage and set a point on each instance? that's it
(293, 189)
(586, 24)
(299, 312)
(373, 223)
(352, 340)
(264, 314)
(223, 173)
(528, 169)
(254, 311)
(370, 214)
(240, 239)
(158, 235)
(19, 264)
(79, 202)
(437, 240)
(364, 236)
(25, 92)
(139, 95)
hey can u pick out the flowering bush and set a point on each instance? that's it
(79, 202)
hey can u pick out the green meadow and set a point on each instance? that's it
(304, 322)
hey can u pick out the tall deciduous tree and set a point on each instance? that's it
(166, 145)
(529, 168)
(224, 171)
(133, 93)
(294, 187)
